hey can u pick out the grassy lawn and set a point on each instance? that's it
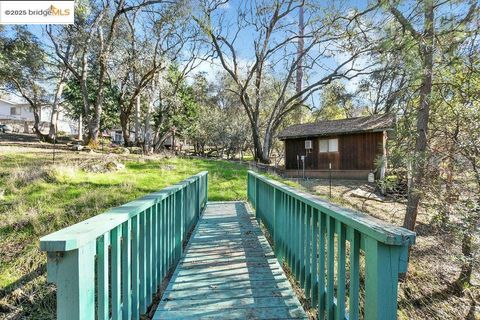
(37, 198)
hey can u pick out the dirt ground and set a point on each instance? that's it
(429, 291)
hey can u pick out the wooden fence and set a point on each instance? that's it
(111, 265)
(311, 237)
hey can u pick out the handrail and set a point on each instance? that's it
(112, 264)
(376, 228)
(311, 235)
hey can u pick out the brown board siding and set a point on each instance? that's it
(355, 152)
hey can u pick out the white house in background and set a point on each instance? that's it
(20, 115)
(15, 111)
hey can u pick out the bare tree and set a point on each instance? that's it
(94, 36)
(156, 39)
(274, 52)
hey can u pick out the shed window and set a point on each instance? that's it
(333, 145)
(13, 111)
(328, 145)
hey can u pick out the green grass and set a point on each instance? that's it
(39, 198)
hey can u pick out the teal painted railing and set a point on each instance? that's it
(110, 266)
(312, 237)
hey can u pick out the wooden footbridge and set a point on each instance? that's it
(111, 266)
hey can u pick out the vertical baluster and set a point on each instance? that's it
(164, 237)
(126, 271)
(314, 291)
(308, 252)
(279, 226)
(321, 266)
(170, 231)
(301, 247)
(103, 243)
(178, 224)
(354, 273)
(330, 267)
(143, 262)
(288, 242)
(116, 274)
(341, 262)
(159, 243)
(148, 226)
(172, 218)
(292, 234)
(295, 237)
(154, 249)
(135, 268)
(283, 232)
(298, 239)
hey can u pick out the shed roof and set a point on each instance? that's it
(374, 123)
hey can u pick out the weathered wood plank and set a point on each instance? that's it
(229, 271)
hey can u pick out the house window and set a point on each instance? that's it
(328, 145)
(13, 111)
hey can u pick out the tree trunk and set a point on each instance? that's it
(80, 128)
(426, 50)
(259, 150)
(147, 146)
(124, 116)
(137, 120)
(267, 145)
(54, 116)
(36, 124)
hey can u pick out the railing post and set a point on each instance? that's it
(381, 279)
(277, 223)
(197, 191)
(206, 188)
(257, 209)
(74, 274)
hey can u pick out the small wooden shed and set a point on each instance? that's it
(348, 146)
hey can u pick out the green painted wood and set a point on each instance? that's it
(354, 288)
(228, 271)
(143, 264)
(144, 236)
(314, 290)
(368, 225)
(135, 268)
(178, 226)
(329, 306)
(289, 241)
(126, 270)
(115, 238)
(308, 252)
(89, 230)
(159, 244)
(296, 242)
(149, 260)
(381, 277)
(341, 264)
(155, 258)
(164, 238)
(73, 272)
(169, 232)
(301, 247)
(103, 244)
(315, 248)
